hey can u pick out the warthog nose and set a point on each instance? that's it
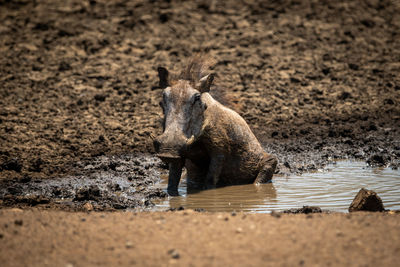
(156, 145)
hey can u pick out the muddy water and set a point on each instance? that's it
(331, 189)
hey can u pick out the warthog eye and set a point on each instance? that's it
(196, 98)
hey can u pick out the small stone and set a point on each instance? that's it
(88, 206)
(366, 200)
(174, 253)
(239, 230)
(18, 222)
(129, 244)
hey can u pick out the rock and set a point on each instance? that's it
(129, 244)
(366, 200)
(88, 206)
(174, 253)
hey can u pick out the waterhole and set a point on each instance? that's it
(332, 189)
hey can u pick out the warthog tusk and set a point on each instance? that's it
(190, 141)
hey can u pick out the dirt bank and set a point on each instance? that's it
(51, 238)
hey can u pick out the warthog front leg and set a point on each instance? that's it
(267, 169)
(214, 170)
(175, 172)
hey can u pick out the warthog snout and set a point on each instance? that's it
(170, 147)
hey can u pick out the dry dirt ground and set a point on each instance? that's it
(186, 238)
(315, 80)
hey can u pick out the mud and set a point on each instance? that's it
(106, 183)
(316, 81)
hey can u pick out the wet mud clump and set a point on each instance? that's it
(304, 210)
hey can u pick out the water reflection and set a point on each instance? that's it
(230, 198)
(331, 189)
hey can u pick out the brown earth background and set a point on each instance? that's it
(78, 78)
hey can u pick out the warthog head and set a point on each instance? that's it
(183, 110)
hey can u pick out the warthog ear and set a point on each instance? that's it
(205, 83)
(163, 75)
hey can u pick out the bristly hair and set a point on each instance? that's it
(197, 67)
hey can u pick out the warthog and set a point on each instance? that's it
(213, 142)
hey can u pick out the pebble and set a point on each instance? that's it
(129, 244)
(174, 253)
(88, 206)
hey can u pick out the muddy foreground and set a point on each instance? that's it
(187, 238)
